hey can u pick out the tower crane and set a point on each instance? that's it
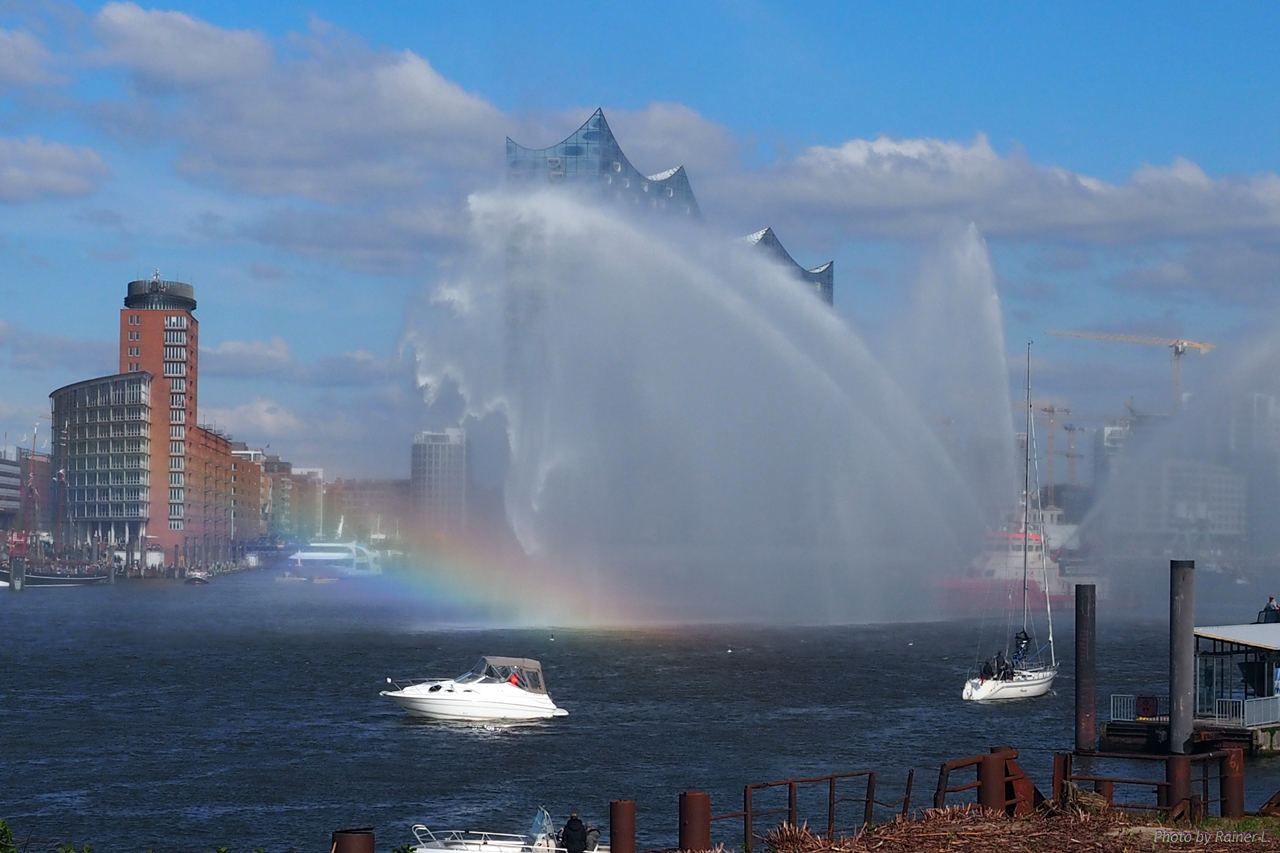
(1052, 412)
(1072, 456)
(1177, 345)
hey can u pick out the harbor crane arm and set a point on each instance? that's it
(1177, 345)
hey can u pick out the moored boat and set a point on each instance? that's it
(335, 559)
(496, 688)
(48, 578)
(541, 838)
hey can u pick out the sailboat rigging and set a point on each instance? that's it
(1025, 674)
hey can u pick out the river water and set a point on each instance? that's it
(153, 715)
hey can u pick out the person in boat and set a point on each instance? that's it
(1004, 669)
(574, 835)
(1022, 641)
(988, 671)
(1271, 604)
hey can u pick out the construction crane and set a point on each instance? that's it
(1072, 456)
(1052, 412)
(1177, 345)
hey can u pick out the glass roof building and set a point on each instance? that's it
(591, 156)
(822, 278)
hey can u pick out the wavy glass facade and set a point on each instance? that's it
(103, 449)
(822, 278)
(591, 156)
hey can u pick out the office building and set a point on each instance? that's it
(103, 447)
(141, 471)
(438, 480)
(10, 488)
(368, 510)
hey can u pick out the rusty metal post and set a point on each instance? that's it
(793, 815)
(1060, 772)
(622, 826)
(991, 794)
(1182, 652)
(1086, 666)
(1231, 779)
(695, 820)
(1107, 789)
(1177, 772)
(357, 840)
(906, 798)
(831, 808)
(746, 819)
(868, 813)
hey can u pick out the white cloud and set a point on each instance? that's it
(909, 188)
(273, 359)
(166, 51)
(244, 359)
(259, 419)
(31, 168)
(334, 120)
(35, 351)
(22, 59)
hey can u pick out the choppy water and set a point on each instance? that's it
(246, 713)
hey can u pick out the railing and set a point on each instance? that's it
(1261, 712)
(1226, 780)
(1229, 711)
(751, 812)
(1128, 708)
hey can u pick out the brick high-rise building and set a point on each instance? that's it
(159, 334)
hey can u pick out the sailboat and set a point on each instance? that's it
(1024, 673)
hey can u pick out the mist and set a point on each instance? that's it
(692, 435)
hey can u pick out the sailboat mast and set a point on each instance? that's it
(1026, 493)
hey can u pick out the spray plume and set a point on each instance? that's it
(692, 435)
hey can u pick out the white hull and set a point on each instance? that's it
(473, 702)
(1024, 684)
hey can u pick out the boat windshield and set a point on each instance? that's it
(521, 672)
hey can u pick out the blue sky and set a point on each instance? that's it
(304, 165)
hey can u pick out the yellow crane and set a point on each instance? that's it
(1177, 345)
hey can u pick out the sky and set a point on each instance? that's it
(306, 166)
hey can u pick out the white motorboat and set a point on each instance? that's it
(541, 838)
(335, 559)
(496, 688)
(1024, 674)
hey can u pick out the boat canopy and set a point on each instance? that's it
(528, 672)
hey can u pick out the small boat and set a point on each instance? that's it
(541, 838)
(496, 688)
(1023, 674)
(290, 577)
(197, 578)
(45, 577)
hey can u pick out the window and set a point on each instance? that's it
(176, 463)
(178, 386)
(178, 401)
(175, 495)
(175, 368)
(175, 510)
(175, 321)
(176, 448)
(175, 524)
(177, 416)
(175, 353)
(175, 338)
